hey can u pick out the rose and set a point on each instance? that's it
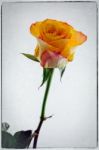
(56, 42)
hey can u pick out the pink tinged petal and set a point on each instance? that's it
(52, 60)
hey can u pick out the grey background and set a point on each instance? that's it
(73, 102)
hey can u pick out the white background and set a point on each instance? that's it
(73, 102)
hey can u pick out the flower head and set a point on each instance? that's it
(56, 41)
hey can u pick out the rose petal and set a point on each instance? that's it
(52, 60)
(60, 44)
(37, 51)
(77, 39)
(43, 46)
(35, 29)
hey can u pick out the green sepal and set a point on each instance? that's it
(62, 72)
(30, 57)
(46, 74)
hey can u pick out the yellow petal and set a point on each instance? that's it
(77, 39)
(36, 53)
(45, 46)
(61, 44)
(35, 29)
(71, 57)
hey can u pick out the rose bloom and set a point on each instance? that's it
(56, 42)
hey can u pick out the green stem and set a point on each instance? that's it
(42, 117)
(46, 94)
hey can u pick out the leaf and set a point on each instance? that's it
(5, 126)
(46, 74)
(30, 57)
(7, 140)
(22, 139)
(62, 72)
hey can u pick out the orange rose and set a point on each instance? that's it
(56, 42)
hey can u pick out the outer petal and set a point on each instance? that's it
(77, 39)
(37, 51)
(35, 29)
(52, 60)
(71, 56)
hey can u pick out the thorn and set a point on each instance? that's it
(48, 117)
(40, 86)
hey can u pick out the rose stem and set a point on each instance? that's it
(42, 117)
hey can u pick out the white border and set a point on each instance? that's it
(97, 1)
